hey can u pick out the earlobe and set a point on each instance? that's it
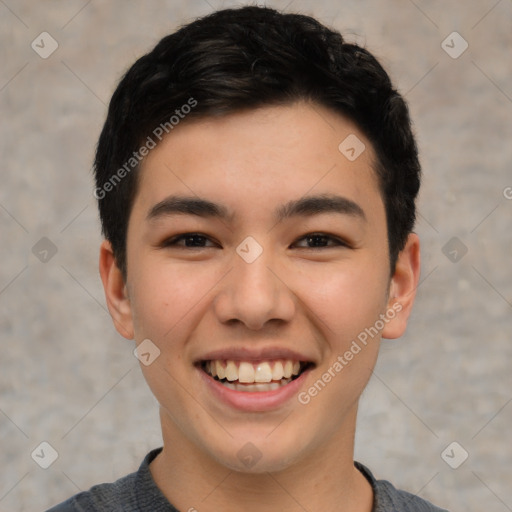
(118, 302)
(402, 291)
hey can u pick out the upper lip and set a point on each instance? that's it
(254, 354)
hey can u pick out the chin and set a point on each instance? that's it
(254, 454)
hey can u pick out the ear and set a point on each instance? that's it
(402, 288)
(118, 302)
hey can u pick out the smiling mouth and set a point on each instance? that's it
(256, 377)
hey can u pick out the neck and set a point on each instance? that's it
(326, 479)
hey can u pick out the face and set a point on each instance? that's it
(257, 256)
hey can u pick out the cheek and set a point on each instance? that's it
(165, 297)
(345, 300)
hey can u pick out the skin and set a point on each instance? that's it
(188, 301)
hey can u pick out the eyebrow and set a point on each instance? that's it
(305, 206)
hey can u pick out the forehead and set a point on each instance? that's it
(253, 160)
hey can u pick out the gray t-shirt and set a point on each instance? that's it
(137, 492)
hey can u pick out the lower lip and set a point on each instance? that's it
(254, 401)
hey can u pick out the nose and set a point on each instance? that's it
(254, 294)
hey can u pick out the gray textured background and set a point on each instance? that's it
(66, 376)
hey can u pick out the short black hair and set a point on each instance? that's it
(245, 58)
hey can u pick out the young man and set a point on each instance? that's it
(256, 179)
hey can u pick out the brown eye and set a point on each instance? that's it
(321, 240)
(188, 240)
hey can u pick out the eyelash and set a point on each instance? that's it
(173, 241)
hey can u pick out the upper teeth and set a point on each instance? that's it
(246, 372)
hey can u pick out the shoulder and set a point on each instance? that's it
(136, 492)
(389, 499)
(118, 495)
(392, 499)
